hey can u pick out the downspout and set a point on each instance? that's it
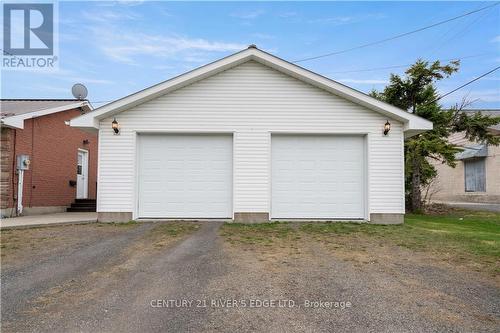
(13, 173)
(32, 157)
(20, 181)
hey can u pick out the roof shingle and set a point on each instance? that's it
(14, 107)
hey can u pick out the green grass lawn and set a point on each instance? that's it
(463, 236)
(476, 233)
(473, 233)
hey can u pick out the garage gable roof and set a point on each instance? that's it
(413, 124)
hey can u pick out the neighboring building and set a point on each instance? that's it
(251, 138)
(476, 178)
(63, 160)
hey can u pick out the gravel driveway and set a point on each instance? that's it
(126, 280)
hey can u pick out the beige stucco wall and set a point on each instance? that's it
(450, 183)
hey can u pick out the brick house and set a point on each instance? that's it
(62, 159)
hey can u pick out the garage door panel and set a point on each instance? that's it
(185, 176)
(317, 176)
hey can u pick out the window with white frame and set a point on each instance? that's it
(475, 175)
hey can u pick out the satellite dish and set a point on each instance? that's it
(79, 91)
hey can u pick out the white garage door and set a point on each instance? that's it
(317, 177)
(185, 176)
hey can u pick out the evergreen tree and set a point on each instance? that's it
(416, 93)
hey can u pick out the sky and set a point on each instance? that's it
(117, 48)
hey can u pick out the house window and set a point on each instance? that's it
(475, 175)
(79, 165)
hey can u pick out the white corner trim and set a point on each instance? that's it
(18, 121)
(413, 123)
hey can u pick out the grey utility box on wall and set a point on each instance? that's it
(23, 162)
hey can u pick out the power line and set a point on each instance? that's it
(403, 66)
(437, 99)
(466, 84)
(461, 33)
(397, 36)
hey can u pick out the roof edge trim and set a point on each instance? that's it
(18, 120)
(413, 123)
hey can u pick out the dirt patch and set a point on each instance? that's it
(127, 249)
(457, 244)
(108, 285)
(166, 233)
(24, 245)
(426, 290)
(160, 237)
(441, 209)
(368, 252)
(105, 279)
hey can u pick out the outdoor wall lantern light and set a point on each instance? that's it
(114, 126)
(387, 127)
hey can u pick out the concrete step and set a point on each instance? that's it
(85, 201)
(81, 209)
(83, 205)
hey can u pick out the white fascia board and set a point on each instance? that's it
(13, 122)
(18, 121)
(411, 122)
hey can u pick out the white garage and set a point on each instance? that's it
(185, 176)
(317, 177)
(252, 138)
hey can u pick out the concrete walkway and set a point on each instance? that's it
(490, 207)
(47, 220)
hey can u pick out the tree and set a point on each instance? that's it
(416, 93)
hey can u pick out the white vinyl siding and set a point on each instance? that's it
(251, 174)
(116, 171)
(252, 101)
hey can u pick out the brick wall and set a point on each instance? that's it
(52, 147)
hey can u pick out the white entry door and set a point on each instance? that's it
(82, 174)
(185, 176)
(317, 177)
